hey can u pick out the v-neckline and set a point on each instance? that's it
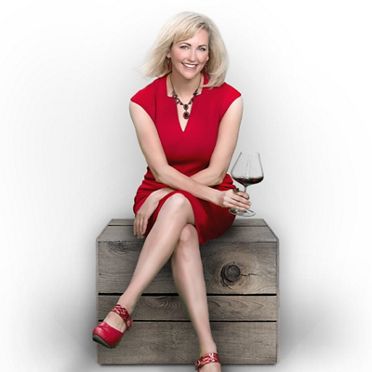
(176, 106)
(188, 120)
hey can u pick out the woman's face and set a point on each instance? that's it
(189, 56)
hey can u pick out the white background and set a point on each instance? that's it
(70, 162)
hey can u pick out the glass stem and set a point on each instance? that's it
(245, 190)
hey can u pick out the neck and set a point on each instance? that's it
(185, 87)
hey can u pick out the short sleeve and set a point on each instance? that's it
(228, 95)
(146, 99)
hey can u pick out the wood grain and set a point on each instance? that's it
(238, 222)
(235, 234)
(256, 262)
(221, 308)
(176, 343)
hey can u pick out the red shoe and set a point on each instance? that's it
(109, 336)
(205, 359)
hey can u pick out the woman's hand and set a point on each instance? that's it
(234, 199)
(144, 213)
(147, 209)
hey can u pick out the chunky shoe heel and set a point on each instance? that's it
(109, 336)
(205, 359)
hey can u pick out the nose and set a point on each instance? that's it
(192, 55)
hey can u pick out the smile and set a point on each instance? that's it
(189, 65)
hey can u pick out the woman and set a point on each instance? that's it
(187, 122)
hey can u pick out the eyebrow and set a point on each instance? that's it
(183, 42)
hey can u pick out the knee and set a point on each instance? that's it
(188, 234)
(187, 245)
(176, 202)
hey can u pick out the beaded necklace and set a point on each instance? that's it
(185, 106)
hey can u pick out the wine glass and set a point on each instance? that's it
(247, 170)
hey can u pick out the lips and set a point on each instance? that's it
(190, 65)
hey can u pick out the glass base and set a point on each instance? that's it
(246, 213)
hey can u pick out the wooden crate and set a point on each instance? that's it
(241, 273)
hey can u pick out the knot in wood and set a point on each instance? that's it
(230, 273)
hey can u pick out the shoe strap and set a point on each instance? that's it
(123, 313)
(207, 358)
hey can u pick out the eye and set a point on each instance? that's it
(184, 46)
(203, 49)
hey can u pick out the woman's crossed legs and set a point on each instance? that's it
(173, 235)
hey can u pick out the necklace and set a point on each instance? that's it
(185, 106)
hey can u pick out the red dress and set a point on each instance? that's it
(188, 151)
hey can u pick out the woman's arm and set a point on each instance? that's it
(154, 154)
(206, 177)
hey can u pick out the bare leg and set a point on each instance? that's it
(175, 213)
(187, 269)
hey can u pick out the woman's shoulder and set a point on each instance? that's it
(226, 89)
(146, 97)
(149, 89)
(225, 94)
(223, 89)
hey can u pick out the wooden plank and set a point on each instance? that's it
(277, 289)
(221, 308)
(255, 267)
(256, 264)
(239, 221)
(176, 343)
(247, 234)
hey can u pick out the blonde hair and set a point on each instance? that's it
(183, 26)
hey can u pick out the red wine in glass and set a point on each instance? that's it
(247, 170)
(248, 181)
